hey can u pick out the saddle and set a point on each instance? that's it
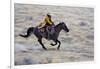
(47, 30)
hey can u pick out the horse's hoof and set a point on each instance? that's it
(20, 35)
(45, 48)
(52, 44)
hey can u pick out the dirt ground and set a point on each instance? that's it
(76, 45)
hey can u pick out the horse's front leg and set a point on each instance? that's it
(59, 44)
(40, 41)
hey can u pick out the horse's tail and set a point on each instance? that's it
(29, 31)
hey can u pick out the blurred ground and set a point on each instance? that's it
(77, 45)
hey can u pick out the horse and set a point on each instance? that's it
(54, 36)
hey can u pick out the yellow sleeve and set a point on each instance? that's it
(47, 20)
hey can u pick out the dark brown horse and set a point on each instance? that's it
(54, 36)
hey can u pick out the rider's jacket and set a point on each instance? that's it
(47, 21)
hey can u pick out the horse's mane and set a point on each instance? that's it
(60, 24)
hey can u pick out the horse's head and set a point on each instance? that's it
(64, 27)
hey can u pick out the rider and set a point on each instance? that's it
(47, 23)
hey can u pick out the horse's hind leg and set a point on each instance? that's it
(40, 41)
(59, 44)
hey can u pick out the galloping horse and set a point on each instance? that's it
(54, 36)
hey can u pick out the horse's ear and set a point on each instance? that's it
(63, 22)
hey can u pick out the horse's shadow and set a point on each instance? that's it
(49, 49)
